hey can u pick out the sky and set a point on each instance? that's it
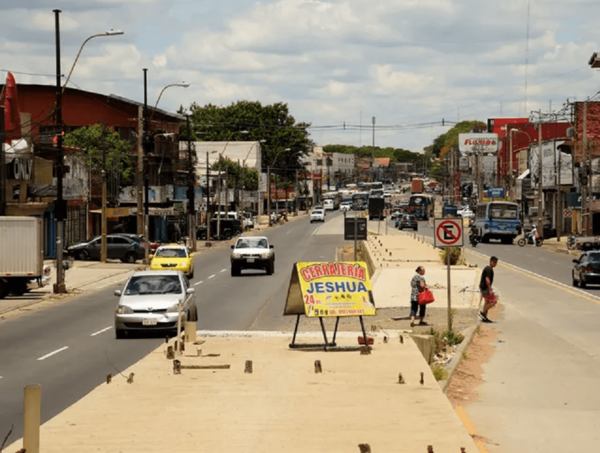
(416, 67)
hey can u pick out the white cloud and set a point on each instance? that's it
(408, 63)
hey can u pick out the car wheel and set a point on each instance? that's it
(120, 334)
(582, 283)
(130, 258)
(238, 232)
(82, 255)
(270, 268)
(416, 228)
(234, 270)
(202, 236)
(191, 274)
(311, 221)
(573, 281)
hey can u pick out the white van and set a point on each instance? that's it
(328, 204)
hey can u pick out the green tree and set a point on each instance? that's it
(251, 121)
(93, 140)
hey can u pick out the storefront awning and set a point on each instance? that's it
(524, 175)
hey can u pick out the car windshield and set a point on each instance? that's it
(250, 242)
(153, 284)
(170, 253)
(593, 258)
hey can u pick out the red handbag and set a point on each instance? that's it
(425, 297)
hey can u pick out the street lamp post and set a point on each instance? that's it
(146, 150)
(60, 207)
(208, 243)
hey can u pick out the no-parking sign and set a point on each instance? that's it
(448, 233)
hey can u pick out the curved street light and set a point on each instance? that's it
(106, 33)
(141, 156)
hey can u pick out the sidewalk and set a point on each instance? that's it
(388, 399)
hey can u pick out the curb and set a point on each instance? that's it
(469, 333)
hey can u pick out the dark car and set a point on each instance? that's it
(119, 247)
(587, 269)
(228, 229)
(408, 221)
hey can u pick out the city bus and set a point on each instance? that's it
(421, 206)
(360, 201)
(497, 220)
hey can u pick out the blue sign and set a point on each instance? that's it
(497, 192)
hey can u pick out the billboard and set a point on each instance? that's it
(478, 143)
(553, 160)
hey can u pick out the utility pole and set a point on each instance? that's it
(541, 179)
(140, 174)
(297, 190)
(207, 201)
(60, 207)
(219, 201)
(510, 158)
(103, 226)
(146, 141)
(191, 192)
(2, 166)
(269, 194)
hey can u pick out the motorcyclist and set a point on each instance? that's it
(473, 233)
(533, 235)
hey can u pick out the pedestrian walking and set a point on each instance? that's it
(417, 285)
(487, 292)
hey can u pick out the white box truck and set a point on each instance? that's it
(21, 255)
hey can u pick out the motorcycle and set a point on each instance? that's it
(473, 234)
(474, 237)
(528, 239)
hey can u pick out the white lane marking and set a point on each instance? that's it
(100, 331)
(212, 276)
(196, 284)
(222, 270)
(44, 357)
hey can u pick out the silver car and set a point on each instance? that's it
(151, 301)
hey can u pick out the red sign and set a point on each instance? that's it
(448, 232)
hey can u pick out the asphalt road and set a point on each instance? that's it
(70, 348)
(540, 385)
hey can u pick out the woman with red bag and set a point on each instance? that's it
(417, 285)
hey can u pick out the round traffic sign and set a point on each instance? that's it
(567, 213)
(449, 232)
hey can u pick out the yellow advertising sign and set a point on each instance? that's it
(330, 290)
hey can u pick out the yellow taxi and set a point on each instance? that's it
(173, 257)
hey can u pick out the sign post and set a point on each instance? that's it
(448, 233)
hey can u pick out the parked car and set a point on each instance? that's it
(150, 301)
(317, 215)
(587, 269)
(252, 252)
(173, 257)
(118, 246)
(408, 221)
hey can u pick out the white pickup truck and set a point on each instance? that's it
(583, 243)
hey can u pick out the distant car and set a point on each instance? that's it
(151, 301)
(252, 252)
(396, 213)
(346, 206)
(587, 269)
(408, 221)
(465, 212)
(317, 215)
(319, 207)
(173, 257)
(329, 205)
(118, 246)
